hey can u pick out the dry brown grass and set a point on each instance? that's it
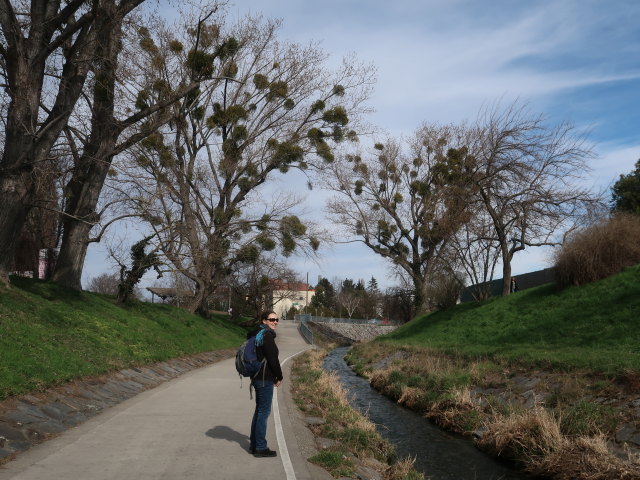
(601, 250)
(533, 439)
(315, 357)
(329, 384)
(379, 379)
(523, 436)
(410, 396)
(373, 352)
(462, 396)
(403, 470)
(424, 361)
(585, 458)
(458, 414)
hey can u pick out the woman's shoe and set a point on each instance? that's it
(264, 453)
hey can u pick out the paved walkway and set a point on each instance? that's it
(193, 427)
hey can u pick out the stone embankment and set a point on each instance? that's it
(354, 333)
(31, 419)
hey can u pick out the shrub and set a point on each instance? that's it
(603, 249)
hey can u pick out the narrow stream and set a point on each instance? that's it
(439, 455)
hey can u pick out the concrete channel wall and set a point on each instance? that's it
(343, 333)
(360, 333)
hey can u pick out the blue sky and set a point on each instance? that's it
(442, 60)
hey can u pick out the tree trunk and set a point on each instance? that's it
(18, 159)
(68, 271)
(200, 303)
(420, 299)
(13, 214)
(506, 274)
(207, 284)
(89, 174)
(80, 216)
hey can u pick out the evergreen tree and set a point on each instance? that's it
(347, 285)
(373, 286)
(324, 297)
(625, 192)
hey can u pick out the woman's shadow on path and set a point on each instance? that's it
(229, 434)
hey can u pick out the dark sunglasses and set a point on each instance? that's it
(273, 319)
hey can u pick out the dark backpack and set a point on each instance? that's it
(247, 363)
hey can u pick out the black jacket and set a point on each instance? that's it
(269, 350)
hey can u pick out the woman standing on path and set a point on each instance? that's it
(269, 375)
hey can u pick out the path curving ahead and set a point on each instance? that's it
(193, 427)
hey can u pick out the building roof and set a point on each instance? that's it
(170, 292)
(278, 284)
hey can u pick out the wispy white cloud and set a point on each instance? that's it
(612, 162)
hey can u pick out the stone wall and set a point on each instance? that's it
(359, 332)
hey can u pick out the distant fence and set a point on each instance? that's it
(524, 281)
(306, 332)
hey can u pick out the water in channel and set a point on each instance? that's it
(439, 455)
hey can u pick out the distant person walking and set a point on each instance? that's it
(514, 285)
(268, 376)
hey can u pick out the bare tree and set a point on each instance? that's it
(350, 300)
(144, 95)
(406, 206)
(475, 252)
(527, 176)
(44, 42)
(200, 182)
(398, 304)
(255, 282)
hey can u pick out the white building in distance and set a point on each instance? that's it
(286, 295)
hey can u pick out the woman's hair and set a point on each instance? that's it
(264, 315)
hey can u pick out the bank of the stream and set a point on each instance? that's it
(548, 424)
(438, 454)
(347, 442)
(548, 381)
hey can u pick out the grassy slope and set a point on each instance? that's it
(49, 335)
(595, 326)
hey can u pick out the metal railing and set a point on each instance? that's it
(306, 332)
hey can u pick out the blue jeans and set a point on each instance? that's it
(264, 396)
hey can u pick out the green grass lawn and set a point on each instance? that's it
(49, 335)
(596, 326)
